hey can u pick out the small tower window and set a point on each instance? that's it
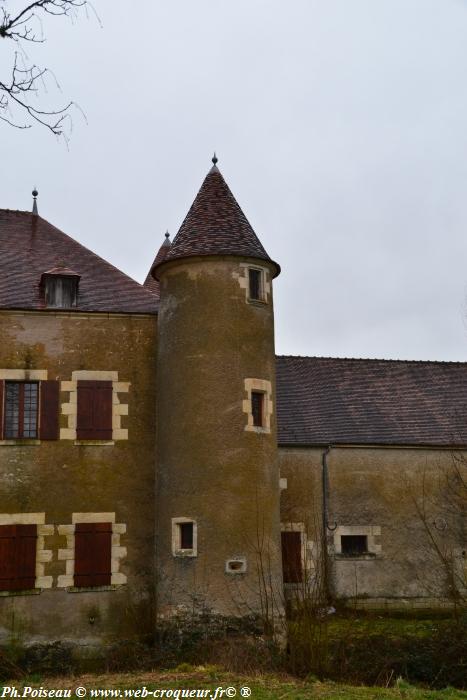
(257, 408)
(184, 537)
(60, 288)
(256, 284)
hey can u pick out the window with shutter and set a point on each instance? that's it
(20, 411)
(292, 557)
(93, 552)
(49, 404)
(17, 557)
(94, 420)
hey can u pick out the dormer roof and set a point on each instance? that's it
(215, 225)
(30, 246)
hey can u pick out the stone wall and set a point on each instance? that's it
(399, 500)
(61, 482)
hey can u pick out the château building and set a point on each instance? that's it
(157, 456)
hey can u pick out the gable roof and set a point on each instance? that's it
(30, 246)
(331, 401)
(215, 225)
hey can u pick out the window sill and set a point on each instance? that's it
(185, 553)
(257, 302)
(100, 443)
(364, 556)
(21, 442)
(257, 429)
(32, 591)
(94, 589)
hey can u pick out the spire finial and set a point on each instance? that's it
(215, 159)
(167, 242)
(34, 202)
(167, 234)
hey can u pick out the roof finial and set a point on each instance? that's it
(167, 239)
(34, 203)
(215, 159)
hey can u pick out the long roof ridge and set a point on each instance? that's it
(373, 359)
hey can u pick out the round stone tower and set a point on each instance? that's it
(217, 521)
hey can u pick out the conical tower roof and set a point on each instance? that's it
(215, 225)
(150, 282)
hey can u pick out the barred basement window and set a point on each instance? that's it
(255, 284)
(21, 410)
(353, 545)
(257, 408)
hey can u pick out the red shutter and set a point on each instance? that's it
(291, 557)
(17, 557)
(2, 391)
(50, 401)
(93, 553)
(94, 410)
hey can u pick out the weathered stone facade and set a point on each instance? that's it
(64, 482)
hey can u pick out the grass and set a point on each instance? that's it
(263, 687)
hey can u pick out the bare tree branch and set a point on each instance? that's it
(16, 93)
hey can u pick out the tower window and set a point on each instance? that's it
(21, 410)
(257, 408)
(184, 537)
(353, 545)
(255, 282)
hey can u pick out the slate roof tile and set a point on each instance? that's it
(215, 225)
(31, 246)
(322, 401)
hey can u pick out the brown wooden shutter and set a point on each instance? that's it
(50, 401)
(18, 557)
(94, 410)
(291, 557)
(93, 553)
(2, 392)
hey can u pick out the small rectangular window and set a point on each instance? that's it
(186, 535)
(353, 545)
(255, 284)
(257, 408)
(21, 410)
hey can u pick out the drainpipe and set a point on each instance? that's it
(325, 523)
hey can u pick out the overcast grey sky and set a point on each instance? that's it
(340, 126)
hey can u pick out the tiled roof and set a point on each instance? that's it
(322, 401)
(30, 246)
(215, 225)
(150, 282)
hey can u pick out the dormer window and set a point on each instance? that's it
(60, 288)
